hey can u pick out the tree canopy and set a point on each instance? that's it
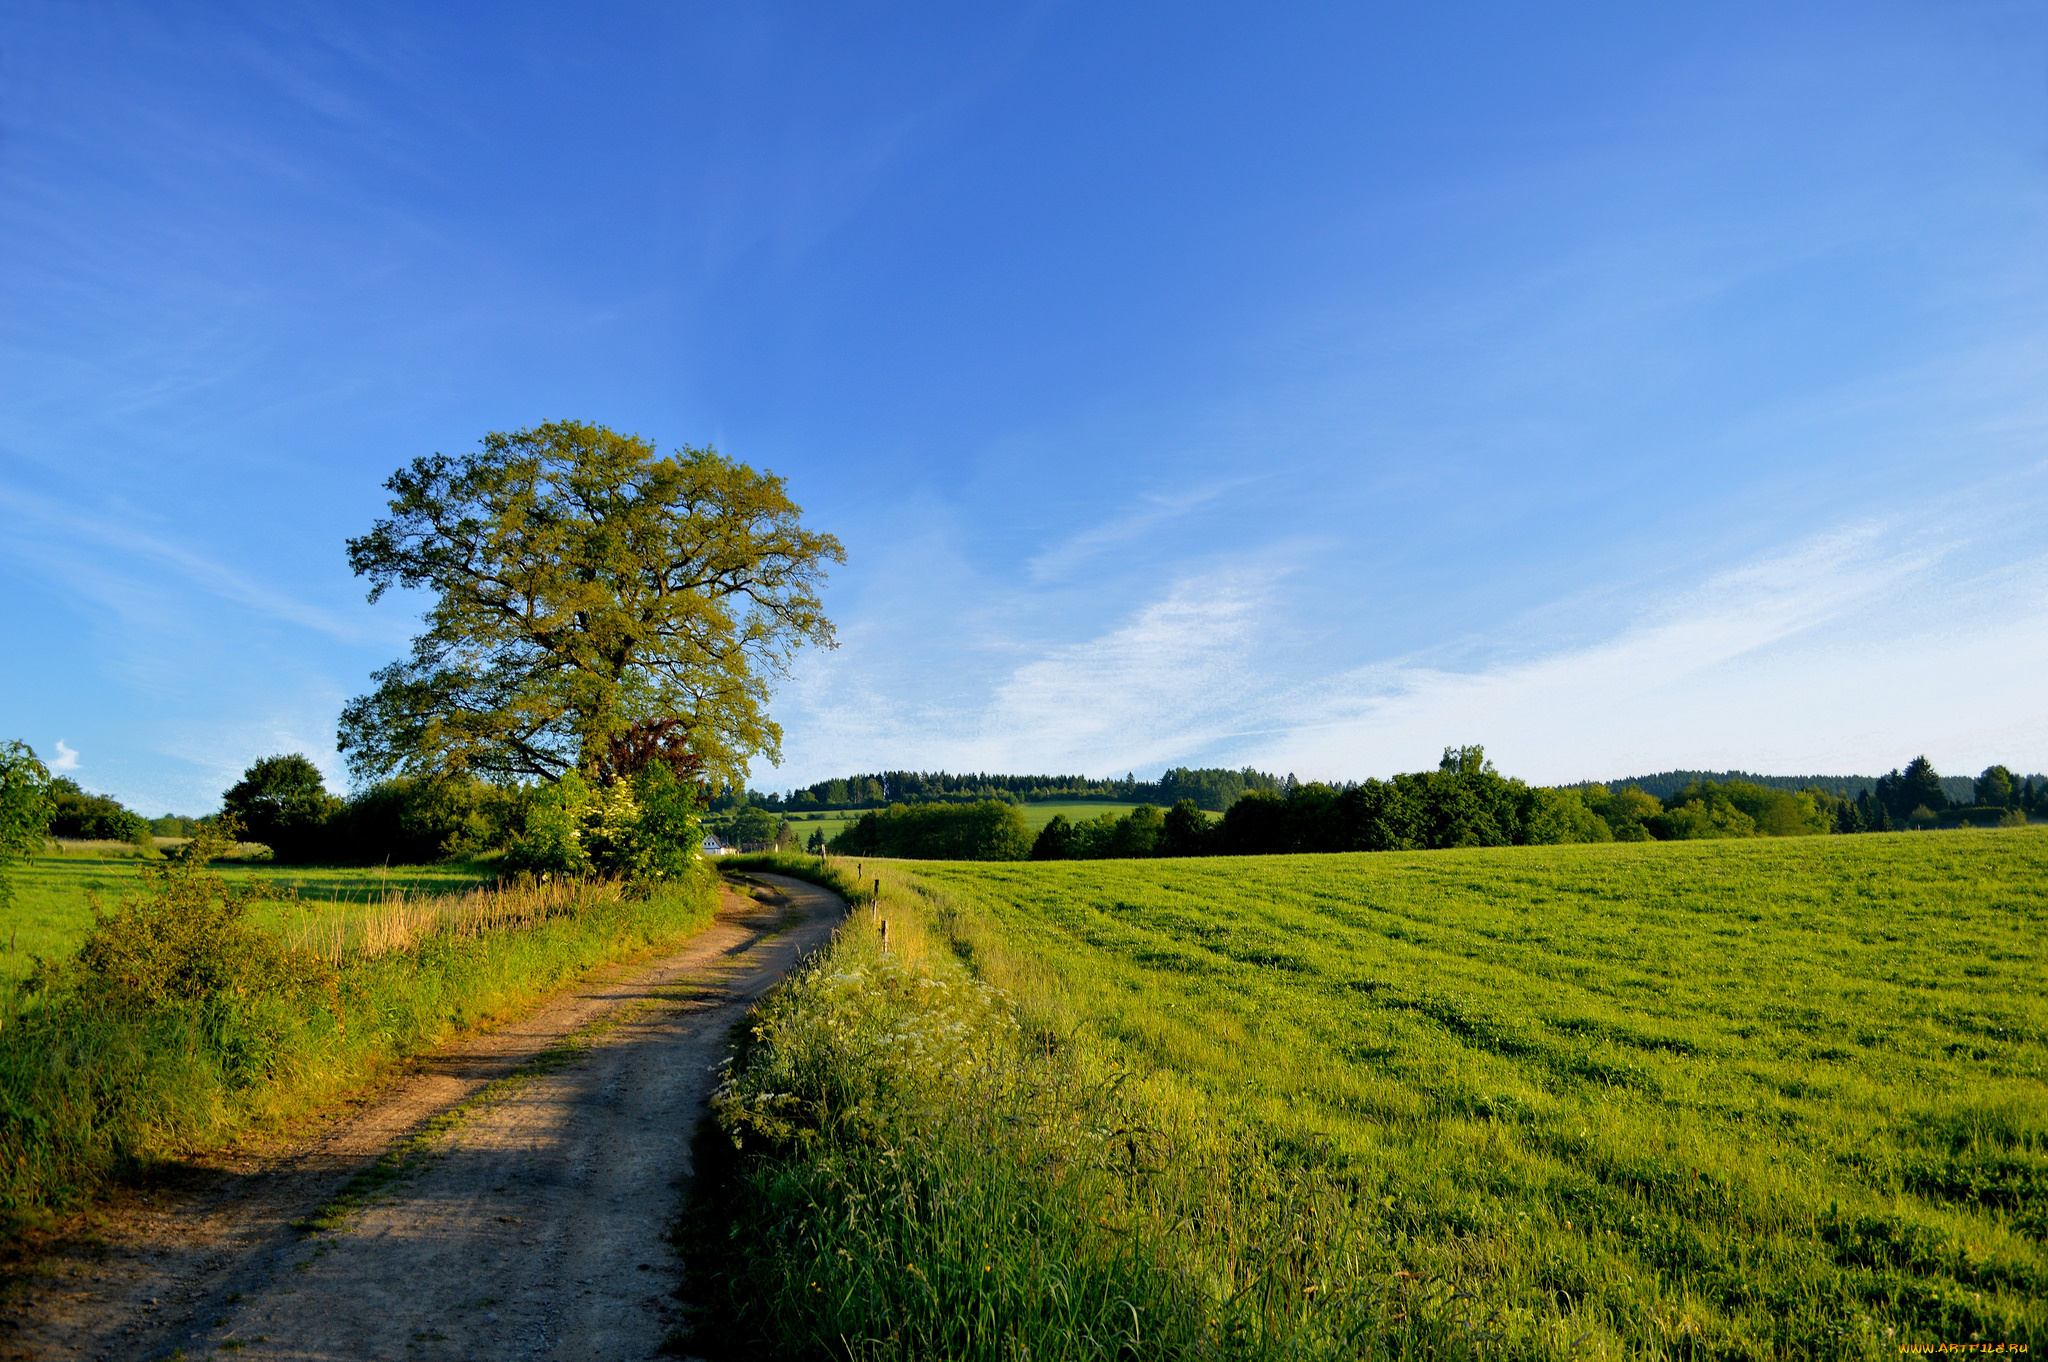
(283, 803)
(75, 812)
(585, 587)
(1918, 788)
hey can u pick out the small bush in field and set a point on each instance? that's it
(185, 945)
(187, 937)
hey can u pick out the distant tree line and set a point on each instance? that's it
(1958, 789)
(1465, 802)
(282, 802)
(77, 813)
(1211, 788)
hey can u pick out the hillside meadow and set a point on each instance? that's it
(1733, 1099)
(1037, 815)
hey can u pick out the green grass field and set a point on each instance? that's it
(1037, 816)
(52, 897)
(832, 822)
(1772, 1098)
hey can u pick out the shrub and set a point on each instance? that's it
(671, 830)
(183, 947)
(645, 830)
(552, 843)
(178, 1020)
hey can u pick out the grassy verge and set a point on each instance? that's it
(1671, 1100)
(170, 1039)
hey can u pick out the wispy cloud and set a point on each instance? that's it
(66, 759)
(1790, 658)
(1154, 511)
(1176, 678)
(73, 548)
(1809, 658)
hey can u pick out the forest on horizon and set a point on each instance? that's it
(1215, 789)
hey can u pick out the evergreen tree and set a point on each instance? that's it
(1918, 787)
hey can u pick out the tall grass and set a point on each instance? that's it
(922, 1165)
(52, 908)
(400, 920)
(1660, 1101)
(186, 1018)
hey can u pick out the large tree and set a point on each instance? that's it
(585, 589)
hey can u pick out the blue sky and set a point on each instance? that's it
(1620, 387)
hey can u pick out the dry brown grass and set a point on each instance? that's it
(398, 920)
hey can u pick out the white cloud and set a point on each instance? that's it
(1849, 652)
(1172, 675)
(66, 759)
(1175, 679)
(213, 755)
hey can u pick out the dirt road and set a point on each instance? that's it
(529, 1225)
